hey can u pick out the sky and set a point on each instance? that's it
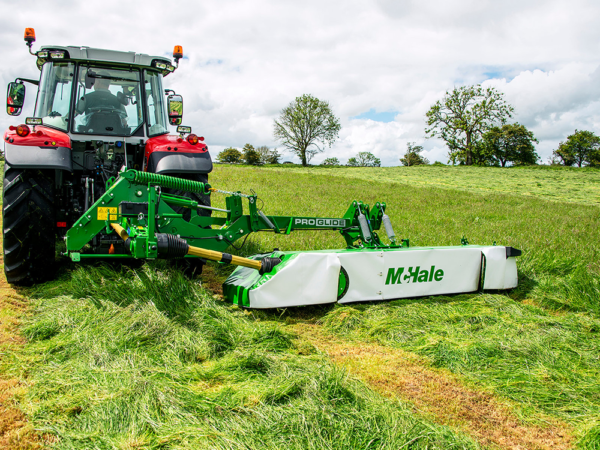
(380, 64)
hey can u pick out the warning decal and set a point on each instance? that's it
(103, 213)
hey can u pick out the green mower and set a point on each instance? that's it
(143, 223)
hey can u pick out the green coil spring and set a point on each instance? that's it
(165, 181)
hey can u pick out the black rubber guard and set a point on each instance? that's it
(510, 251)
(170, 246)
(174, 162)
(268, 264)
(26, 157)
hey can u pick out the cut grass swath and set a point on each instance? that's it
(145, 358)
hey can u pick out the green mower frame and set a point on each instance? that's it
(135, 206)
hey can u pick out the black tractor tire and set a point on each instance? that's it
(202, 199)
(28, 222)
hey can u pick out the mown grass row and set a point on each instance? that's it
(545, 362)
(145, 358)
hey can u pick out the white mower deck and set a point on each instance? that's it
(346, 276)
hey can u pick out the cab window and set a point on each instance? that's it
(54, 94)
(157, 114)
(108, 101)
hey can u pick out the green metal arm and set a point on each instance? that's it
(136, 203)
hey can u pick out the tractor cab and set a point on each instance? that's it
(99, 92)
(97, 113)
(87, 98)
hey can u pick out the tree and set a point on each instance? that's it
(268, 156)
(594, 159)
(509, 143)
(581, 147)
(251, 156)
(331, 162)
(413, 156)
(230, 155)
(364, 159)
(368, 159)
(553, 160)
(564, 153)
(463, 116)
(304, 124)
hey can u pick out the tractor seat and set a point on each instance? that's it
(105, 123)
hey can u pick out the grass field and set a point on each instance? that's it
(142, 357)
(547, 182)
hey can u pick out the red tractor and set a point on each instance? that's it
(97, 112)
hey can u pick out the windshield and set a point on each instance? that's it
(54, 94)
(157, 117)
(108, 101)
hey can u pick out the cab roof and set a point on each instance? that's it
(107, 56)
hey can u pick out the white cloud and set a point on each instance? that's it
(248, 60)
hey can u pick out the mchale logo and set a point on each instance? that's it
(416, 275)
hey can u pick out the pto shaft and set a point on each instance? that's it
(174, 246)
(224, 257)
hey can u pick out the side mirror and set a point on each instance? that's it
(15, 98)
(175, 107)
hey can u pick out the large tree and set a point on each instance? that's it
(251, 156)
(463, 116)
(509, 143)
(305, 126)
(331, 162)
(413, 156)
(368, 159)
(579, 148)
(230, 155)
(364, 159)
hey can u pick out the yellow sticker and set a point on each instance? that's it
(103, 213)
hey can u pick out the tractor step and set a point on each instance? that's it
(356, 275)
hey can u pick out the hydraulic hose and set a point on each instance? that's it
(169, 245)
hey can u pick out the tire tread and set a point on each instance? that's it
(28, 225)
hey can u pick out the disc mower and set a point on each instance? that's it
(133, 197)
(141, 218)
